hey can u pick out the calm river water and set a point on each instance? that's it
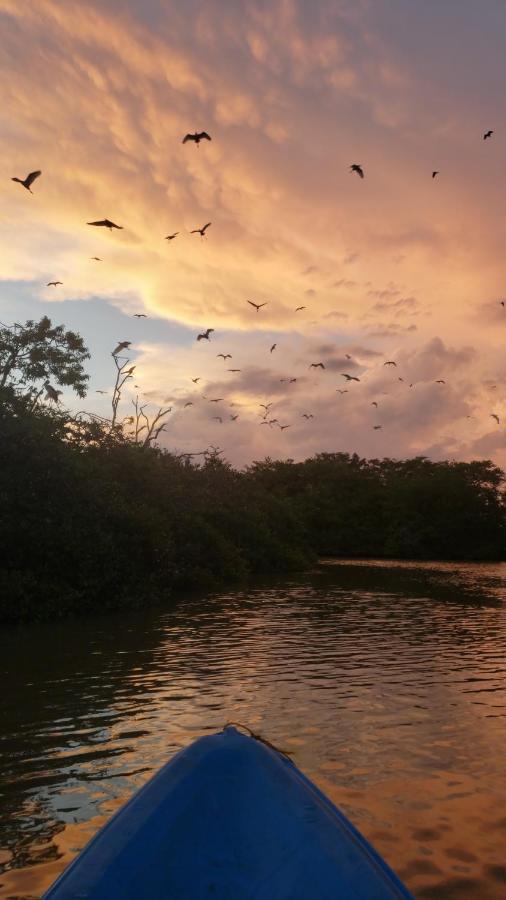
(386, 680)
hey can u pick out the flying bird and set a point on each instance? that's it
(196, 380)
(390, 362)
(316, 366)
(52, 393)
(234, 370)
(273, 348)
(358, 169)
(225, 356)
(374, 404)
(53, 283)
(503, 303)
(217, 400)
(202, 230)
(101, 392)
(106, 223)
(121, 346)
(257, 305)
(349, 377)
(28, 181)
(218, 419)
(188, 404)
(140, 316)
(495, 416)
(197, 137)
(440, 381)
(377, 427)
(96, 258)
(488, 134)
(435, 172)
(265, 406)
(234, 418)
(307, 416)
(170, 237)
(282, 427)
(347, 355)
(205, 335)
(298, 309)
(339, 391)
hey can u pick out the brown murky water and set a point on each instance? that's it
(388, 681)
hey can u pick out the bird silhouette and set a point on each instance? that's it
(298, 309)
(234, 418)
(121, 346)
(189, 403)
(440, 381)
(488, 134)
(435, 172)
(234, 370)
(377, 427)
(503, 303)
(196, 380)
(307, 416)
(349, 377)
(217, 400)
(257, 305)
(495, 416)
(225, 356)
(265, 406)
(201, 231)
(51, 393)
(374, 404)
(96, 258)
(390, 362)
(106, 223)
(28, 181)
(218, 419)
(282, 427)
(339, 391)
(205, 335)
(53, 283)
(273, 348)
(347, 355)
(170, 237)
(316, 366)
(101, 392)
(140, 316)
(358, 169)
(197, 137)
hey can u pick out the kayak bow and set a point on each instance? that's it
(228, 818)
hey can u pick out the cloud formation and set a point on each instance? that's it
(397, 265)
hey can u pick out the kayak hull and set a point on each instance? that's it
(228, 818)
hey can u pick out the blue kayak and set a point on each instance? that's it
(228, 818)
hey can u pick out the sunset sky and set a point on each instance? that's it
(397, 266)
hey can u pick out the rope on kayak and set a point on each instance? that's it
(258, 737)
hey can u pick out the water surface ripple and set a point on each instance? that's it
(386, 680)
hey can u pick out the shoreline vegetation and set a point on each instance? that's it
(93, 517)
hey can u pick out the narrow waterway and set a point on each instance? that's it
(386, 680)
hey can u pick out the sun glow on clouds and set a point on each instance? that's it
(397, 266)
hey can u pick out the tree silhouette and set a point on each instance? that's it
(36, 352)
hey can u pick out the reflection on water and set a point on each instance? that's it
(387, 681)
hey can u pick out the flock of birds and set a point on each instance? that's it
(53, 395)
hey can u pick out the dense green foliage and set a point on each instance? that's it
(90, 519)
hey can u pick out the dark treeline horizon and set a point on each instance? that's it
(90, 520)
(95, 515)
